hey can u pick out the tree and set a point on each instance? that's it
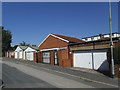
(34, 45)
(6, 40)
(117, 52)
(14, 47)
(24, 44)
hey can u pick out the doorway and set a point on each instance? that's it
(55, 58)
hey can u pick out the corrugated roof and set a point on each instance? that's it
(70, 39)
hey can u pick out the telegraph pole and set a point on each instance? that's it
(111, 42)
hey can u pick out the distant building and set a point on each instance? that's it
(10, 54)
(101, 36)
(20, 52)
(29, 52)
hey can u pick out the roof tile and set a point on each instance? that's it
(70, 39)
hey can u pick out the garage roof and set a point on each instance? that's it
(70, 39)
(34, 47)
(23, 47)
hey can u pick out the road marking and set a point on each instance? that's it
(75, 76)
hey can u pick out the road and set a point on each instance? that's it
(17, 74)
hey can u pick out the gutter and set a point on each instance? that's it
(97, 41)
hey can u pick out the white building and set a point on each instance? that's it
(20, 52)
(29, 52)
(101, 36)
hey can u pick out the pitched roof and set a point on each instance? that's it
(34, 47)
(23, 47)
(64, 38)
(70, 39)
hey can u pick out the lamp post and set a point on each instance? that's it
(111, 42)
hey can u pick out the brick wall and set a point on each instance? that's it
(35, 57)
(116, 70)
(52, 42)
(71, 58)
(52, 58)
(39, 54)
(117, 44)
(63, 58)
(63, 55)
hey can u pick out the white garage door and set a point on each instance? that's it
(100, 60)
(83, 59)
(46, 57)
(29, 55)
(92, 60)
(16, 56)
(20, 55)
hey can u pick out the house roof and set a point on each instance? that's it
(64, 38)
(23, 47)
(34, 47)
(70, 39)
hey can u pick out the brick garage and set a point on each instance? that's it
(65, 47)
(54, 49)
(96, 45)
(87, 47)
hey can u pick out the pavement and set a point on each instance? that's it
(87, 70)
(79, 78)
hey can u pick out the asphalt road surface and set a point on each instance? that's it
(21, 75)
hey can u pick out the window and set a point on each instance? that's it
(92, 38)
(86, 39)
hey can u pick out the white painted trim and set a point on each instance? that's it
(32, 50)
(55, 37)
(44, 40)
(17, 48)
(59, 38)
(53, 49)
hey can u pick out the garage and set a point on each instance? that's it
(16, 54)
(100, 60)
(30, 55)
(91, 59)
(46, 57)
(83, 59)
(20, 54)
